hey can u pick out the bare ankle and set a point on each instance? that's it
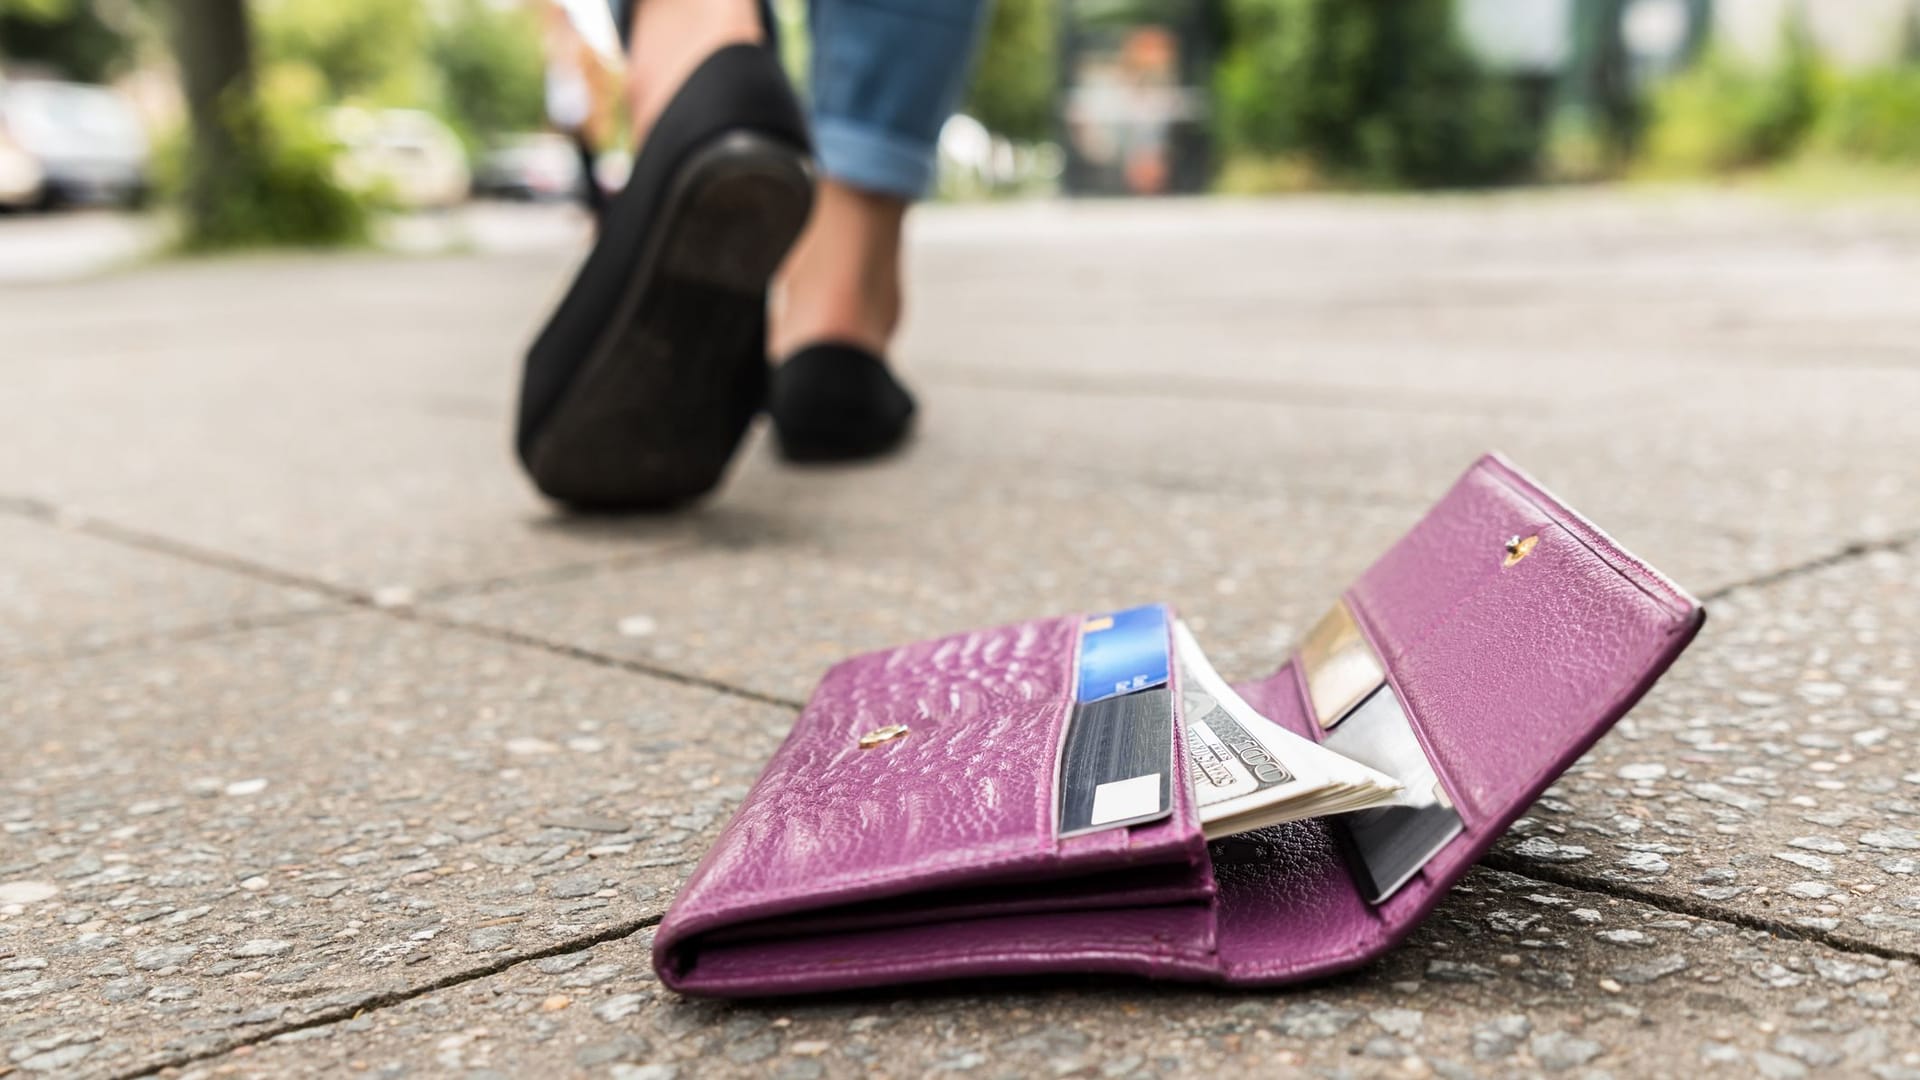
(843, 281)
(669, 38)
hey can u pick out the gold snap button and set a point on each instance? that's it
(1518, 549)
(882, 734)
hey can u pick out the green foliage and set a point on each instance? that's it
(368, 51)
(69, 36)
(280, 189)
(1874, 117)
(1725, 114)
(476, 64)
(1380, 91)
(43, 11)
(491, 69)
(1019, 61)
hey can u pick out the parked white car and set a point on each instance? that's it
(85, 142)
(406, 155)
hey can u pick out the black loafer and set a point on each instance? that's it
(837, 402)
(637, 392)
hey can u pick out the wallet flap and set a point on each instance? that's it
(1516, 634)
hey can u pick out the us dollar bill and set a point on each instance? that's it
(1227, 762)
(1249, 772)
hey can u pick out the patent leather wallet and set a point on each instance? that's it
(905, 831)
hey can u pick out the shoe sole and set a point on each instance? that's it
(807, 451)
(675, 378)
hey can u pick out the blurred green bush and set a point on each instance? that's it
(476, 65)
(1724, 114)
(282, 189)
(1013, 84)
(72, 37)
(1382, 92)
(370, 52)
(1872, 117)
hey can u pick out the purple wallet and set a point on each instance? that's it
(1514, 632)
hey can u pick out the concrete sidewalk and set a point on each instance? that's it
(330, 747)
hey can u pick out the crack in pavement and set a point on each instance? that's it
(355, 599)
(1682, 905)
(584, 655)
(1855, 549)
(387, 999)
(60, 518)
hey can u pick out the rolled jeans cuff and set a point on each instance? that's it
(881, 162)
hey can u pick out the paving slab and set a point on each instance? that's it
(1650, 360)
(773, 616)
(441, 331)
(1795, 464)
(1435, 297)
(65, 591)
(259, 827)
(1510, 978)
(343, 419)
(1774, 774)
(1322, 510)
(368, 486)
(1250, 572)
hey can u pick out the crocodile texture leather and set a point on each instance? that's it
(933, 856)
(963, 802)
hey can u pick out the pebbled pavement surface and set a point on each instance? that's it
(331, 749)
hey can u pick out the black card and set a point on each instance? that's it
(1389, 845)
(1117, 765)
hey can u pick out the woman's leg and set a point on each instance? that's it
(886, 75)
(667, 39)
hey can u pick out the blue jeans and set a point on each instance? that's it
(885, 75)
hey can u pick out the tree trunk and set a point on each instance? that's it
(214, 45)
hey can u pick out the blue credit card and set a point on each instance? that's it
(1123, 652)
